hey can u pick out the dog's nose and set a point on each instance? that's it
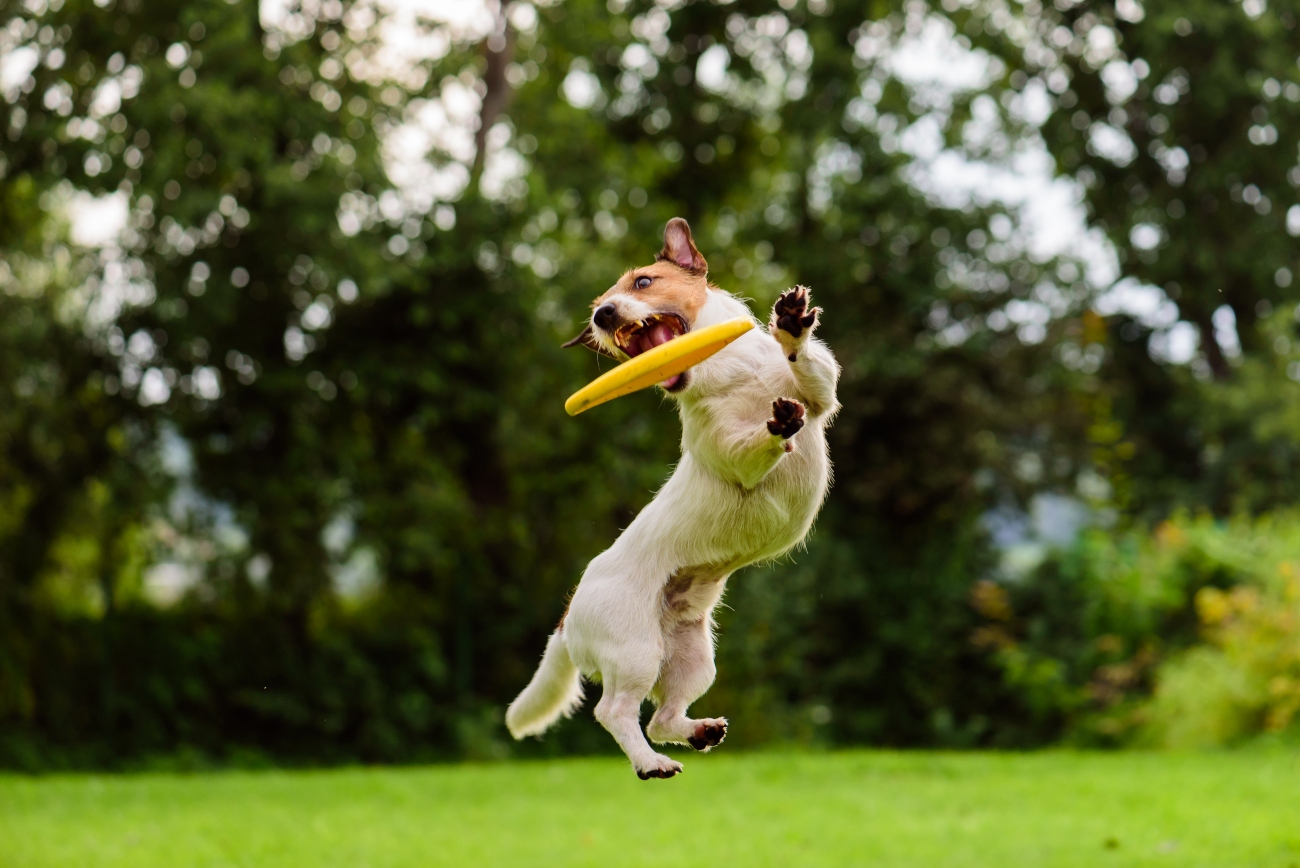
(606, 316)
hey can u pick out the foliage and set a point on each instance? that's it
(397, 394)
(1181, 121)
(1199, 610)
(317, 376)
(1245, 679)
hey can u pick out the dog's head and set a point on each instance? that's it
(652, 304)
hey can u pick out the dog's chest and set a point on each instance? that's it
(781, 506)
(744, 524)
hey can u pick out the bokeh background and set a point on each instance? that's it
(284, 471)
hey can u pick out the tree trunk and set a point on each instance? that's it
(499, 49)
(1218, 363)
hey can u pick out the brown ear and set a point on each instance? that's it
(679, 248)
(588, 339)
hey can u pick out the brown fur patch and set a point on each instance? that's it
(678, 596)
(568, 601)
(678, 585)
(679, 280)
(672, 290)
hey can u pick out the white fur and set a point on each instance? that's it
(555, 691)
(641, 619)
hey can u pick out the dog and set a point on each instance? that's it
(754, 471)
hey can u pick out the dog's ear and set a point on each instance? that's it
(588, 339)
(679, 248)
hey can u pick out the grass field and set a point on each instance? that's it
(860, 808)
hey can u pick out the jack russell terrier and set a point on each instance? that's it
(754, 471)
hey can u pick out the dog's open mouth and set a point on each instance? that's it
(635, 338)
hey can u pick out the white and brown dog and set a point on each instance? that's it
(753, 474)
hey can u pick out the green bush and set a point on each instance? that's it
(193, 687)
(1185, 634)
(1245, 679)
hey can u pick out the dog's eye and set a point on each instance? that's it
(642, 282)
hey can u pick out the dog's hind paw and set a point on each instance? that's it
(662, 767)
(708, 733)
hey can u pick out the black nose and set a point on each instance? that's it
(606, 316)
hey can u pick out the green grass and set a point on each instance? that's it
(860, 808)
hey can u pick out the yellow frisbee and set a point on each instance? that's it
(658, 364)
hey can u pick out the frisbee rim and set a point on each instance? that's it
(658, 362)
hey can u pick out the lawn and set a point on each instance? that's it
(857, 808)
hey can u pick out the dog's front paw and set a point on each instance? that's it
(708, 733)
(660, 767)
(787, 418)
(791, 317)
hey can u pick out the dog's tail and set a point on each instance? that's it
(555, 691)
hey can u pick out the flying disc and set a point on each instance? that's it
(658, 364)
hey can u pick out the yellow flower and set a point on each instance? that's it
(1212, 606)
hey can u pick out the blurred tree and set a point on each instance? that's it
(763, 126)
(352, 380)
(1181, 123)
(346, 271)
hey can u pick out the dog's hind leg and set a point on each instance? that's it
(687, 673)
(626, 684)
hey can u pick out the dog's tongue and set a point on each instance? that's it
(649, 338)
(658, 334)
(655, 336)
